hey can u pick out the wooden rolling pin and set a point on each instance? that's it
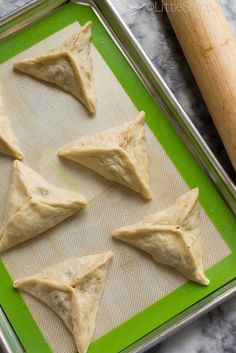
(210, 48)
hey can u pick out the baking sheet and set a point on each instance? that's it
(44, 119)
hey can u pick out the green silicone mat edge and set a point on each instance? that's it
(183, 297)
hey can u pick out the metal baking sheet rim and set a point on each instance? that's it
(164, 97)
(148, 74)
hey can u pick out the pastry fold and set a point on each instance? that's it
(34, 206)
(73, 290)
(68, 66)
(9, 144)
(119, 154)
(172, 237)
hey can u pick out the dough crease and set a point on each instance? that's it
(9, 144)
(68, 66)
(34, 206)
(72, 289)
(172, 237)
(119, 154)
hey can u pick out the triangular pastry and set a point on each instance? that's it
(73, 290)
(119, 154)
(34, 206)
(172, 237)
(68, 66)
(8, 142)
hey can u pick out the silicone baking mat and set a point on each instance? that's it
(45, 118)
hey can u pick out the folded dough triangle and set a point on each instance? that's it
(172, 237)
(34, 206)
(119, 154)
(8, 142)
(73, 290)
(68, 66)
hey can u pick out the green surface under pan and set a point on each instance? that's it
(182, 298)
